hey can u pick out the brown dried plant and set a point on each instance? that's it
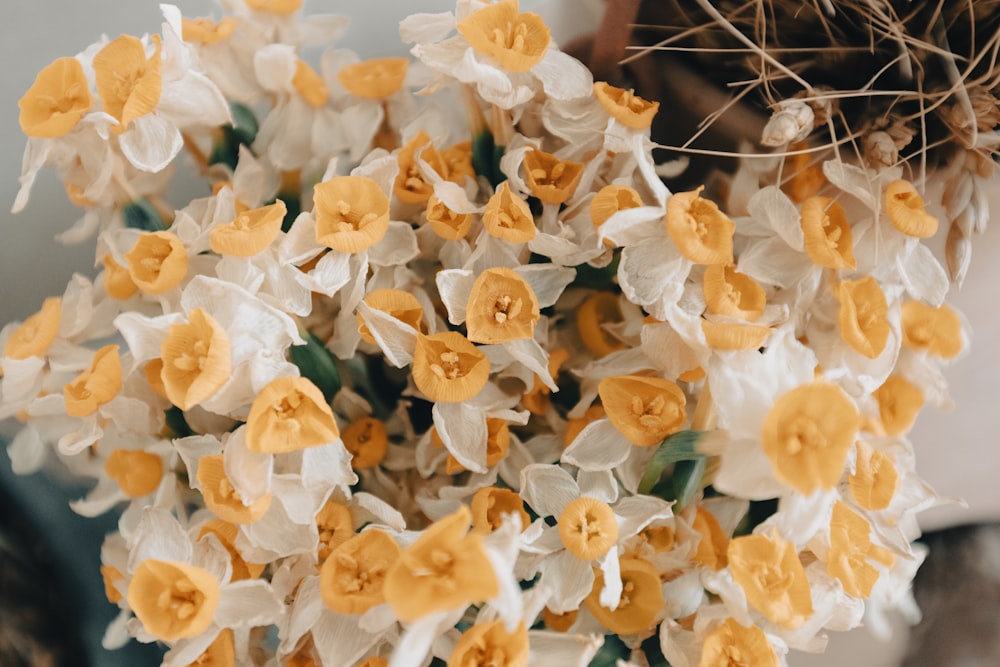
(880, 82)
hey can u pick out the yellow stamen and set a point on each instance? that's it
(771, 575)
(173, 600)
(56, 101)
(516, 40)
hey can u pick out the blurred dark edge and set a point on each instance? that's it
(53, 610)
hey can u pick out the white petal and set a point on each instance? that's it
(548, 489)
(611, 594)
(330, 274)
(159, 536)
(455, 285)
(249, 472)
(923, 276)
(328, 466)
(463, 430)
(569, 578)
(151, 142)
(339, 638)
(530, 353)
(248, 603)
(599, 446)
(397, 339)
(397, 247)
(426, 28)
(27, 452)
(772, 261)
(563, 77)
(366, 508)
(274, 65)
(773, 207)
(652, 274)
(632, 225)
(746, 472)
(194, 101)
(600, 484)
(547, 281)
(563, 649)
(636, 512)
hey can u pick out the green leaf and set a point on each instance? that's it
(680, 446)
(317, 364)
(598, 278)
(686, 481)
(293, 206)
(243, 131)
(140, 214)
(244, 123)
(486, 158)
(177, 423)
(614, 649)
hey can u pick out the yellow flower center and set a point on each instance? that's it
(226, 533)
(224, 500)
(862, 317)
(508, 217)
(516, 40)
(905, 208)
(250, 233)
(310, 85)
(173, 600)
(770, 572)
(220, 653)
(733, 294)
(490, 645)
(827, 235)
(807, 435)
(129, 84)
(375, 78)
(196, 360)
(625, 106)
(446, 223)
(875, 479)
(644, 409)
(353, 576)
(206, 31)
(735, 645)
(445, 568)
(588, 528)
(501, 307)
(701, 232)
(400, 304)
(936, 330)
(447, 367)
(367, 440)
(334, 525)
(136, 472)
(899, 402)
(491, 504)
(410, 186)
(157, 262)
(352, 213)
(56, 101)
(641, 599)
(117, 281)
(550, 179)
(850, 550)
(289, 414)
(713, 544)
(95, 386)
(37, 333)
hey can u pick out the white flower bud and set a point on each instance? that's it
(793, 121)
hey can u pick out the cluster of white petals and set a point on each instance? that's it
(440, 368)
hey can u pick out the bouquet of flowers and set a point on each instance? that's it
(437, 370)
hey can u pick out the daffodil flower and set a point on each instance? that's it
(592, 521)
(502, 51)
